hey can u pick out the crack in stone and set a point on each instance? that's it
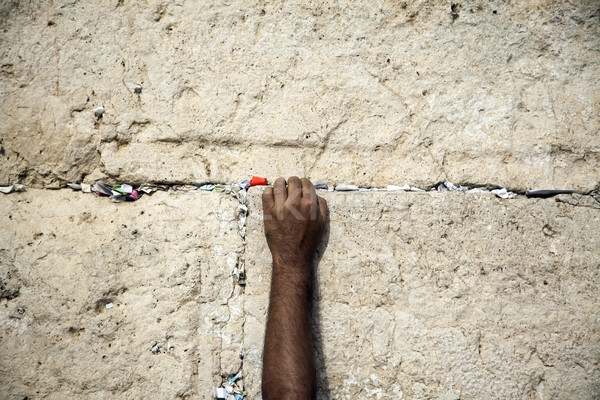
(179, 186)
(238, 277)
(466, 186)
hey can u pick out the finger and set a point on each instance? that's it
(267, 198)
(280, 192)
(308, 190)
(323, 208)
(294, 188)
(309, 196)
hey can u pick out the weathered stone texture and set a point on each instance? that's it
(418, 295)
(474, 92)
(446, 296)
(164, 263)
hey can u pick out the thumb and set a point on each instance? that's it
(323, 208)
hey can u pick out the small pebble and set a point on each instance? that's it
(137, 89)
(109, 306)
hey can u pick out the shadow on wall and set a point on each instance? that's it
(323, 391)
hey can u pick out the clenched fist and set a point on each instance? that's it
(294, 218)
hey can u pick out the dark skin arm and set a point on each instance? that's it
(294, 218)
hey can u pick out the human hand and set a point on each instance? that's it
(294, 218)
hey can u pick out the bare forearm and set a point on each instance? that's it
(288, 369)
(294, 219)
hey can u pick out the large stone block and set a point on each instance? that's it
(119, 301)
(478, 92)
(446, 295)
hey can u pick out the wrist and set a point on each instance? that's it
(292, 260)
(296, 269)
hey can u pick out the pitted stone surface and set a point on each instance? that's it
(477, 92)
(446, 295)
(115, 301)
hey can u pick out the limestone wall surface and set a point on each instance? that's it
(417, 296)
(369, 93)
(446, 296)
(122, 301)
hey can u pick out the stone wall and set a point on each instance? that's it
(117, 301)
(418, 295)
(480, 93)
(447, 296)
